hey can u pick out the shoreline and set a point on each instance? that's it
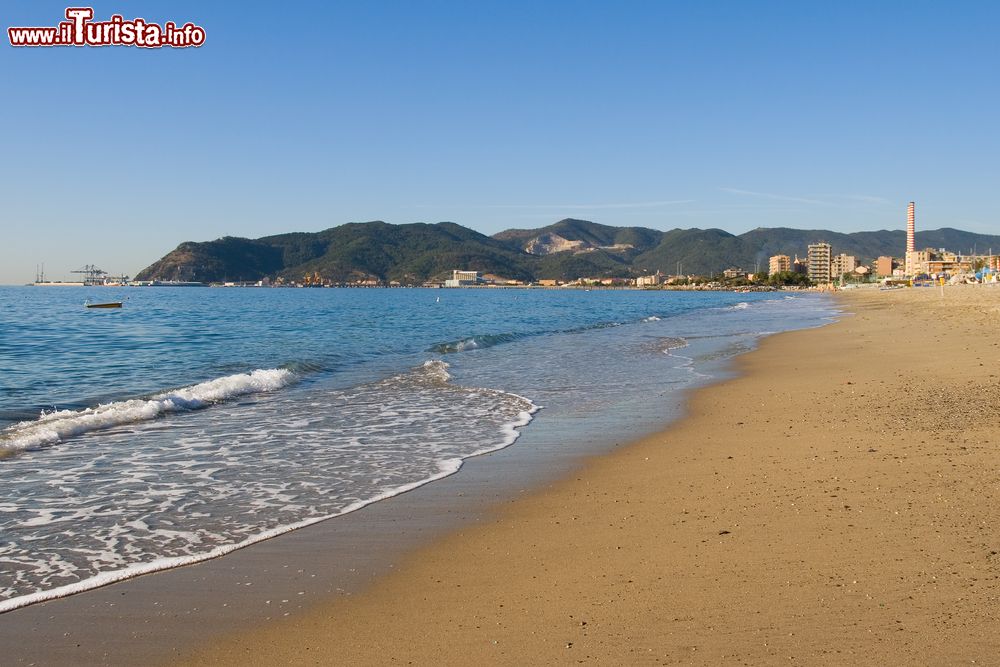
(161, 616)
(157, 616)
(150, 619)
(812, 508)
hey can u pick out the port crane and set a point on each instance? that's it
(92, 275)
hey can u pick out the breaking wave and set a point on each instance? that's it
(476, 342)
(59, 425)
(489, 340)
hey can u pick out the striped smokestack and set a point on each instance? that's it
(910, 246)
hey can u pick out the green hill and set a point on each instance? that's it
(699, 251)
(409, 253)
(228, 258)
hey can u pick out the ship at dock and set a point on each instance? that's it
(95, 277)
(92, 277)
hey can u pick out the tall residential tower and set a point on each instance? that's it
(819, 263)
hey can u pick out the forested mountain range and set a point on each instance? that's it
(568, 249)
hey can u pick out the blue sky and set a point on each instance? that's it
(302, 116)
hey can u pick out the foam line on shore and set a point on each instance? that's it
(446, 467)
(489, 340)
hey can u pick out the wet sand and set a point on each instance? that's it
(838, 502)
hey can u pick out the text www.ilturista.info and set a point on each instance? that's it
(80, 30)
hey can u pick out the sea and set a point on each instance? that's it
(196, 421)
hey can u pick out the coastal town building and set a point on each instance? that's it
(948, 263)
(841, 264)
(649, 281)
(799, 266)
(916, 261)
(940, 262)
(461, 278)
(779, 264)
(884, 266)
(494, 280)
(733, 272)
(819, 262)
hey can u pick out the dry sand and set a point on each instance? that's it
(837, 503)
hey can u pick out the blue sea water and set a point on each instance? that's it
(194, 421)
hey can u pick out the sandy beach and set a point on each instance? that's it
(837, 502)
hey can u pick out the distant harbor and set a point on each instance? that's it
(92, 277)
(116, 283)
(96, 277)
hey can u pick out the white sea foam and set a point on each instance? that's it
(114, 576)
(437, 370)
(57, 426)
(221, 485)
(669, 343)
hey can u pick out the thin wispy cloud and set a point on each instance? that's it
(867, 199)
(587, 207)
(579, 207)
(775, 197)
